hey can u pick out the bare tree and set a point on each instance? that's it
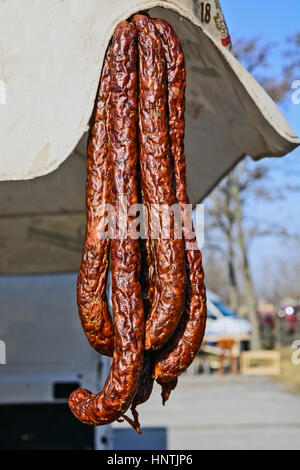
(216, 274)
(226, 212)
(226, 204)
(222, 217)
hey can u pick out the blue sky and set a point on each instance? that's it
(273, 21)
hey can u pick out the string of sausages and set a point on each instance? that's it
(136, 154)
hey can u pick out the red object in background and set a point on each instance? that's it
(292, 322)
(226, 41)
(267, 319)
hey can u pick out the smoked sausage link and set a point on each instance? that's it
(180, 351)
(91, 283)
(169, 277)
(120, 387)
(142, 89)
(144, 388)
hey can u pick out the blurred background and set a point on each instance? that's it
(243, 389)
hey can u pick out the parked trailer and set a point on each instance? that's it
(47, 356)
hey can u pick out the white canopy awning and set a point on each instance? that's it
(51, 58)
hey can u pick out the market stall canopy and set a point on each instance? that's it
(51, 58)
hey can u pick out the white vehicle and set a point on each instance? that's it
(221, 321)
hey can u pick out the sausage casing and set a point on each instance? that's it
(178, 354)
(169, 276)
(91, 283)
(120, 387)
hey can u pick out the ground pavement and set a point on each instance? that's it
(219, 412)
